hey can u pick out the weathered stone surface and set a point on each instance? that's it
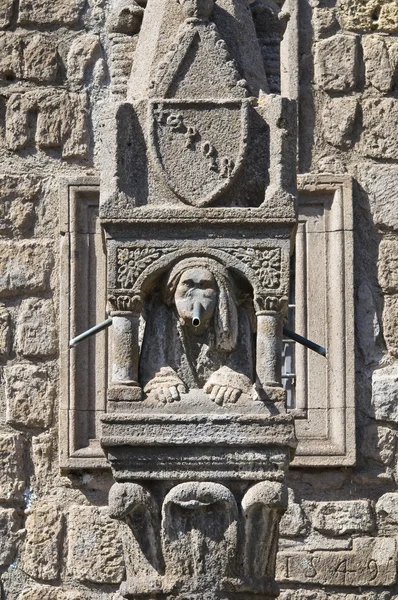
(369, 15)
(388, 265)
(372, 562)
(381, 184)
(40, 58)
(50, 12)
(385, 394)
(82, 55)
(17, 204)
(367, 315)
(293, 522)
(94, 548)
(24, 267)
(45, 460)
(336, 63)
(390, 323)
(46, 592)
(324, 21)
(9, 536)
(10, 57)
(62, 121)
(6, 13)
(380, 119)
(30, 396)
(36, 334)
(338, 118)
(379, 67)
(41, 553)
(303, 595)
(317, 541)
(379, 444)
(12, 477)
(340, 518)
(5, 331)
(387, 514)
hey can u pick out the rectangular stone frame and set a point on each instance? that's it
(83, 372)
(325, 420)
(325, 393)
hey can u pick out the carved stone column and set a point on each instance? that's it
(125, 313)
(269, 342)
(198, 207)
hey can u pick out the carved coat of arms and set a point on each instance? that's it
(198, 145)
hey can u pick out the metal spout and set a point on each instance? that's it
(197, 313)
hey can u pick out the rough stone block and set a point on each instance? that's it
(82, 54)
(388, 265)
(324, 22)
(379, 68)
(387, 513)
(336, 63)
(9, 525)
(379, 444)
(12, 478)
(369, 15)
(338, 120)
(45, 460)
(381, 184)
(10, 57)
(24, 267)
(17, 210)
(293, 522)
(77, 139)
(29, 395)
(372, 562)
(62, 122)
(390, 324)
(36, 329)
(94, 548)
(6, 13)
(367, 314)
(340, 518)
(41, 554)
(5, 331)
(380, 124)
(50, 12)
(47, 592)
(40, 58)
(316, 541)
(385, 394)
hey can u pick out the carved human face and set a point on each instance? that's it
(196, 298)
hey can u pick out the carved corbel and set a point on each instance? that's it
(199, 535)
(135, 507)
(263, 506)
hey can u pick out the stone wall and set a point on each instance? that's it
(58, 64)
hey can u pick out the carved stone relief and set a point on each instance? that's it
(198, 208)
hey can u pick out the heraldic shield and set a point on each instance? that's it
(198, 145)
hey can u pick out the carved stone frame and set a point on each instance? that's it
(335, 446)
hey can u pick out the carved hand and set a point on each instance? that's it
(225, 386)
(165, 387)
(166, 395)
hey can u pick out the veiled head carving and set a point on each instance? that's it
(204, 281)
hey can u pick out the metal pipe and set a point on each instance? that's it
(96, 329)
(197, 313)
(304, 342)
